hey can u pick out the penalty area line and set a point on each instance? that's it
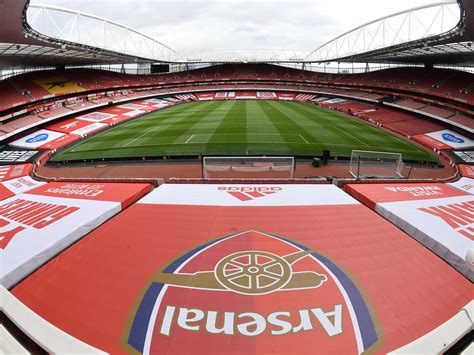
(189, 139)
(303, 138)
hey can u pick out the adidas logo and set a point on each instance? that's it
(249, 193)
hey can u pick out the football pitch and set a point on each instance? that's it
(250, 127)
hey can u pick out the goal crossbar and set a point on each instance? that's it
(369, 164)
(248, 167)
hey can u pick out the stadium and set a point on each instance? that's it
(159, 201)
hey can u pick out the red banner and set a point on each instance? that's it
(371, 194)
(8, 172)
(467, 170)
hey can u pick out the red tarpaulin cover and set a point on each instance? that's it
(467, 170)
(38, 224)
(8, 172)
(287, 269)
(437, 215)
(77, 127)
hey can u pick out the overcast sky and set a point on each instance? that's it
(242, 24)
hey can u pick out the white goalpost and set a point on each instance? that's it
(367, 164)
(248, 167)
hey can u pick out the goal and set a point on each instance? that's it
(248, 167)
(366, 164)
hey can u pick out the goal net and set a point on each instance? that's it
(366, 164)
(248, 167)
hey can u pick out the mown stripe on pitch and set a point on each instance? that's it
(337, 126)
(293, 118)
(391, 143)
(229, 136)
(268, 127)
(236, 113)
(114, 147)
(168, 132)
(166, 143)
(285, 119)
(347, 128)
(210, 121)
(118, 136)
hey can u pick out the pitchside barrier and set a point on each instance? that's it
(311, 181)
(248, 167)
(367, 164)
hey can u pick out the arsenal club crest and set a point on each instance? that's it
(251, 292)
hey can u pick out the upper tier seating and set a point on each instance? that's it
(402, 123)
(445, 84)
(423, 90)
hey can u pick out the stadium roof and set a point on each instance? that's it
(454, 46)
(101, 41)
(21, 45)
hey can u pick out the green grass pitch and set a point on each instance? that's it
(253, 127)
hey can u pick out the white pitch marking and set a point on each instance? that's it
(189, 139)
(303, 138)
(350, 135)
(141, 136)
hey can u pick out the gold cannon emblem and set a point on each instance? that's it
(249, 273)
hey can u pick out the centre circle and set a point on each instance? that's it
(253, 269)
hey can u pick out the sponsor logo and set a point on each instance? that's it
(452, 138)
(251, 286)
(432, 142)
(18, 170)
(17, 156)
(58, 142)
(38, 138)
(68, 126)
(22, 183)
(28, 214)
(459, 216)
(90, 128)
(465, 156)
(78, 190)
(467, 187)
(418, 191)
(249, 193)
(12, 171)
(96, 116)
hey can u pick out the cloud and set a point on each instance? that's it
(259, 24)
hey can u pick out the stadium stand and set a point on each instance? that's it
(92, 80)
(93, 252)
(392, 120)
(304, 97)
(410, 104)
(437, 111)
(19, 123)
(413, 127)
(463, 120)
(204, 96)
